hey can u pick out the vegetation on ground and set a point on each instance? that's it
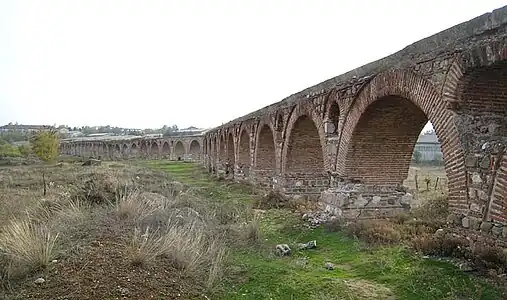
(166, 230)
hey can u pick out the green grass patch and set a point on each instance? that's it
(361, 272)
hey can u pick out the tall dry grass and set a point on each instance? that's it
(28, 243)
(180, 231)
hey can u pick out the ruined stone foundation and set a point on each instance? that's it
(363, 201)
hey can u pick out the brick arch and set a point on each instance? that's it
(304, 147)
(143, 148)
(214, 149)
(179, 149)
(125, 150)
(194, 149)
(477, 90)
(133, 149)
(230, 147)
(154, 149)
(392, 94)
(265, 148)
(166, 149)
(222, 146)
(244, 157)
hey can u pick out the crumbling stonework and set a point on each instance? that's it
(349, 140)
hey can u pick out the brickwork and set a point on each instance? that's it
(265, 158)
(244, 152)
(307, 183)
(304, 152)
(381, 147)
(360, 128)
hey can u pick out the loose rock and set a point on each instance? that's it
(39, 280)
(329, 266)
(283, 249)
(309, 245)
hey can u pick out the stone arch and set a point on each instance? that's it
(194, 149)
(230, 149)
(117, 151)
(383, 124)
(179, 150)
(265, 151)
(133, 150)
(154, 151)
(166, 150)
(304, 148)
(214, 150)
(143, 149)
(221, 152)
(125, 151)
(244, 157)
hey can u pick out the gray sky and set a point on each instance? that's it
(189, 62)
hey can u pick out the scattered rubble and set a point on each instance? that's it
(309, 245)
(329, 266)
(283, 250)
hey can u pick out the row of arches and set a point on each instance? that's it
(370, 138)
(154, 149)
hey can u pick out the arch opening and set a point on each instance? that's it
(179, 150)
(143, 149)
(230, 150)
(221, 152)
(166, 150)
(382, 145)
(244, 152)
(265, 154)
(195, 150)
(133, 150)
(125, 151)
(304, 152)
(154, 150)
(117, 151)
(333, 119)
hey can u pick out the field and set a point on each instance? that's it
(163, 230)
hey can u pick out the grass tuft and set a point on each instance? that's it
(27, 243)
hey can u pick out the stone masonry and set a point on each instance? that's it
(348, 141)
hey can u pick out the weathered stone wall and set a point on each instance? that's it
(309, 184)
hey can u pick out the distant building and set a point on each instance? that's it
(427, 149)
(187, 131)
(24, 128)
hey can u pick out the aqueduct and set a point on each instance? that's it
(349, 140)
(120, 147)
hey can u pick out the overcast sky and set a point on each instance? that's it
(147, 63)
